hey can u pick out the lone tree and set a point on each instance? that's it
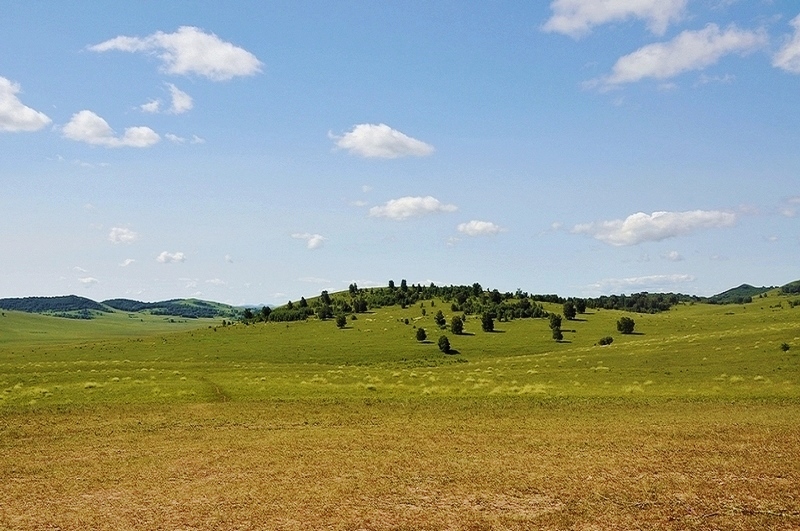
(444, 344)
(555, 326)
(625, 325)
(441, 322)
(341, 320)
(570, 311)
(580, 305)
(421, 335)
(557, 335)
(457, 325)
(487, 323)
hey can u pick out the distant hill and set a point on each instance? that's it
(791, 287)
(190, 308)
(76, 307)
(63, 306)
(739, 294)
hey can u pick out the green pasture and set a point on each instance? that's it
(694, 351)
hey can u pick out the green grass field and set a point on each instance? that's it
(128, 422)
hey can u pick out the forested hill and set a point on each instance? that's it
(191, 308)
(66, 303)
(738, 295)
(76, 307)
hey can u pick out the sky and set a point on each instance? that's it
(263, 152)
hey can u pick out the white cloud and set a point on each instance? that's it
(169, 258)
(577, 17)
(152, 106)
(216, 282)
(479, 228)
(788, 57)
(640, 227)
(122, 235)
(381, 141)
(313, 241)
(690, 50)
(197, 140)
(181, 102)
(127, 262)
(88, 281)
(14, 116)
(646, 283)
(86, 126)
(673, 256)
(175, 139)
(789, 208)
(189, 51)
(408, 207)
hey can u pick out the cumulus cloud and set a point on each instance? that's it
(381, 141)
(479, 228)
(788, 57)
(577, 17)
(122, 235)
(646, 283)
(170, 258)
(640, 227)
(152, 106)
(688, 51)
(189, 51)
(313, 241)
(14, 115)
(86, 126)
(409, 207)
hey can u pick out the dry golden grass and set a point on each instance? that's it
(425, 464)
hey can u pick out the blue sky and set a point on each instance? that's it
(267, 152)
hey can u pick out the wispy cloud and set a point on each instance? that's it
(640, 227)
(381, 141)
(181, 102)
(127, 262)
(788, 57)
(170, 258)
(313, 241)
(122, 235)
(189, 51)
(14, 115)
(577, 17)
(88, 281)
(409, 207)
(86, 126)
(688, 51)
(672, 256)
(479, 228)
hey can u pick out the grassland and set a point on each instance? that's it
(692, 423)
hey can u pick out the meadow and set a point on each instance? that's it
(141, 422)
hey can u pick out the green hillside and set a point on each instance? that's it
(739, 294)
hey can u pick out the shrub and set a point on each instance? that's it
(785, 347)
(444, 344)
(439, 319)
(606, 340)
(421, 335)
(625, 325)
(456, 325)
(341, 321)
(487, 323)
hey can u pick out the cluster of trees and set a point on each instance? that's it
(59, 305)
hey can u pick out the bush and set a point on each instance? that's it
(439, 319)
(487, 323)
(456, 325)
(606, 340)
(444, 344)
(341, 321)
(557, 335)
(421, 335)
(625, 325)
(785, 347)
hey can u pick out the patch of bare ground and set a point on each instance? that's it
(390, 466)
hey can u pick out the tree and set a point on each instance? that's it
(625, 325)
(456, 325)
(341, 320)
(421, 335)
(557, 335)
(391, 285)
(303, 303)
(325, 298)
(487, 323)
(605, 340)
(580, 305)
(444, 344)
(570, 311)
(403, 285)
(248, 314)
(555, 321)
(439, 319)
(265, 311)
